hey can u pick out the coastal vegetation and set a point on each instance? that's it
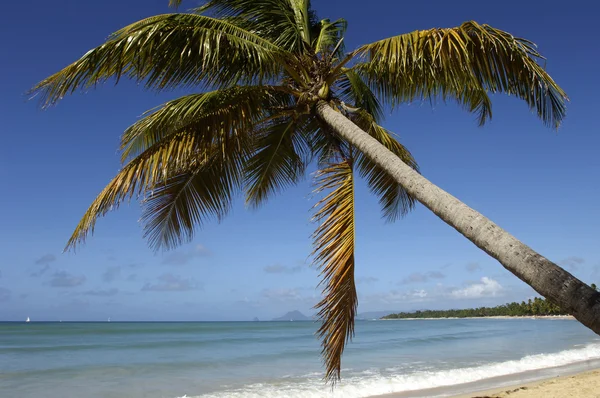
(536, 307)
(277, 92)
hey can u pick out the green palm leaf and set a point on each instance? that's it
(238, 108)
(357, 93)
(327, 35)
(171, 50)
(158, 165)
(280, 155)
(139, 175)
(286, 23)
(333, 243)
(463, 63)
(180, 203)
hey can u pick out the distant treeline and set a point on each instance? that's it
(537, 306)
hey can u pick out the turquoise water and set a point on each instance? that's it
(271, 359)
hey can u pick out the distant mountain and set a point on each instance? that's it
(293, 316)
(256, 319)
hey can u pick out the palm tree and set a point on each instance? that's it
(280, 92)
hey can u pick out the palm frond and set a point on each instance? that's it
(236, 108)
(191, 196)
(156, 166)
(280, 156)
(333, 243)
(302, 18)
(328, 35)
(357, 93)
(464, 63)
(140, 174)
(394, 200)
(168, 51)
(280, 21)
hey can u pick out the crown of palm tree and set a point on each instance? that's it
(263, 65)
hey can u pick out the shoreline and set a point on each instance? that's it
(485, 317)
(584, 384)
(581, 380)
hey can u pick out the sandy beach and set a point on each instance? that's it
(582, 385)
(581, 381)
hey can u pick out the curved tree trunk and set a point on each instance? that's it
(547, 278)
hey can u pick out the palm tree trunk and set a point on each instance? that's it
(547, 278)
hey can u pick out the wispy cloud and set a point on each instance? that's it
(45, 259)
(111, 274)
(64, 279)
(282, 269)
(184, 257)
(572, 262)
(487, 287)
(40, 271)
(399, 297)
(420, 277)
(472, 267)
(171, 283)
(365, 280)
(4, 294)
(102, 293)
(440, 294)
(282, 294)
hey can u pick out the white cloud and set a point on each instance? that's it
(398, 297)
(45, 259)
(4, 294)
(41, 271)
(487, 287)
(422, 277)
(282, 269)
(102, 293)
(366, 280)
(472, 267)
(572, 262)
(282, 294)
(171, 283)
(64, 279)
(184, 257)
(111, 274)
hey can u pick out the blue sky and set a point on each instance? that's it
(540, 185)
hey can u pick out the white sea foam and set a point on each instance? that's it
(373, 383)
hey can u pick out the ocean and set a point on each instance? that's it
(282, 359)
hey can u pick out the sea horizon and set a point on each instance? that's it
(208, 359)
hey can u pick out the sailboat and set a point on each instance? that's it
(27, 320)
(108, 319)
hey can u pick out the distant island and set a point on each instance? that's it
(293, 316)
(536, 307)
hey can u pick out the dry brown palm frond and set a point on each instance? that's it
(333, 253)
